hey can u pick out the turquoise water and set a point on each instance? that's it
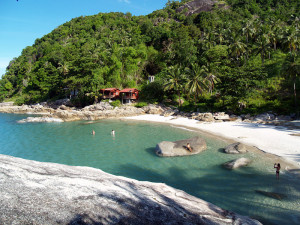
(131, 153)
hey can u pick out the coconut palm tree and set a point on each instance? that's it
(211, 77)
(275, 32)
(196, 82)
(237, 47)
(248, 30)
(175, 80)
(291, 69)
(291, 38)
(262, 42)
(63, 68)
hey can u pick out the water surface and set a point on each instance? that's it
(131, 153)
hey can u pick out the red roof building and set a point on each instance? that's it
(110, 93)
(129, 95)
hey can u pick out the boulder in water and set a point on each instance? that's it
(235, 148)
(237, 163)
(178, 148)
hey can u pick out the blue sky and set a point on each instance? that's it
(23, 21)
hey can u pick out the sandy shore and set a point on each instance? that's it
(276, 140)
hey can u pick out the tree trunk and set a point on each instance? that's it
(295, 95)
(179, 101)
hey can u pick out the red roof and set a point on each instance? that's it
(129, 90)
(109, 89)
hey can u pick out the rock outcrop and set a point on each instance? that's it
(178, 148)
(237, 163)
(3, 104)
(235, 148)
(197, 6)
(62, 109)
(153, 109)
(46, 193)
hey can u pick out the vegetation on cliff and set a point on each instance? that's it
(243, 55)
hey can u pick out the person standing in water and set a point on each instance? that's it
(93, 132)
(112, 132)
(277, 166)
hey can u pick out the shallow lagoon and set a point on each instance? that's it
(131, 153)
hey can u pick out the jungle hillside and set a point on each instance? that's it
(240, 56)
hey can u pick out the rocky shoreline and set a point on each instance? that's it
(61, 111)
(34, 192)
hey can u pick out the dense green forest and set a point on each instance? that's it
(242, 56)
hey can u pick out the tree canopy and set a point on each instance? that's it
(242, 51)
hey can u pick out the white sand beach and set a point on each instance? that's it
(276, 140)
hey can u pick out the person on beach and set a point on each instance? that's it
(93, 132)
(112, 132)
(188, 147)
(277, 166)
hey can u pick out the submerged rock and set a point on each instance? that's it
(274, 195)
(47, 193)
(178, 148)
(235, 148)
(40, 120)
(237, 163)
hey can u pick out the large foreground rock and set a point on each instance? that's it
(46, 193)
(178, 148)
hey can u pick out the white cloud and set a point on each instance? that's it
(125, 1)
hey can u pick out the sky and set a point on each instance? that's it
(23, 21)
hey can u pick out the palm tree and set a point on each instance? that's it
(237, 47)
(63, 68)
(196, 82)
(248, 30)
(174, 80)
(275, 33)
(292, 39)
(291, 69)
(211, 77)
(263, 42)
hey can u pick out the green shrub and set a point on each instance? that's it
(141, 104)
(115, 103)
(82, 100)
(152, 92)
(23, 99)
